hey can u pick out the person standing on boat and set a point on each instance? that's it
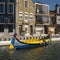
(15, 34)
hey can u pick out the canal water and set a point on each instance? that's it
(51, 52)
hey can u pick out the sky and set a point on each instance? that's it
(51, 3)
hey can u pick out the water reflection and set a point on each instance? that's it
(27, 54)
(51, 52)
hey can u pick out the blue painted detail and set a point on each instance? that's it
(27, 46)
(13, 40)
(46, 44)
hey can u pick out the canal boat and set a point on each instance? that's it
(28, 42)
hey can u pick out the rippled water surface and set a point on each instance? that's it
(51, 52)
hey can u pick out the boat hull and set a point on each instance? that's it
(18, 44)
(26, 46)
(21, 45)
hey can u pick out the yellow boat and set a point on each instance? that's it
(27, 43)
(35, 41)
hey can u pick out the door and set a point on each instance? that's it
(20, 29)
(31, 30)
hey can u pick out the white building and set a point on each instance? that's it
(41, 18)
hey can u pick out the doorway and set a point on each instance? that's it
(46, 29)
(20, 29)
(31, 30)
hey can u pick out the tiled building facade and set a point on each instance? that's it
(16, 16)
(7, 17)
(25, 21)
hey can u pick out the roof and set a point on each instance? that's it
(52, 13)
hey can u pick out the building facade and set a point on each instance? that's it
(25, 21)
(41, 18)
(26, 18)
(7, 17)
(57, 8)
(52, 26)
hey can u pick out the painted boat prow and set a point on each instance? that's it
(12, 43)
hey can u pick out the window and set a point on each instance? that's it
(26, 28)
(11, 0)
(10, 18)
(2, 0)
(31, 16)
(45, 19)
(42, 9)
(45, 9)
(39, 20)
(53, 21)
(10, 28)
(10, 8)
(1, 28)
(37, 10)
(2, 6)
(21, 15)
(59, 10)
(26, 18)
(1, 18)
(26, 4)
(42, 19)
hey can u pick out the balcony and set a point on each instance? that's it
(41, 22)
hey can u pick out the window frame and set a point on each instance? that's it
(2, 1)
(21, 15)
(9, 20)
(11, 0)
(26, 15)
(31, 16)
(10, 29)
(27, 4)
(13, 8)
(3, 29)
(47, 19)
(4, 7)
(2, 18)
